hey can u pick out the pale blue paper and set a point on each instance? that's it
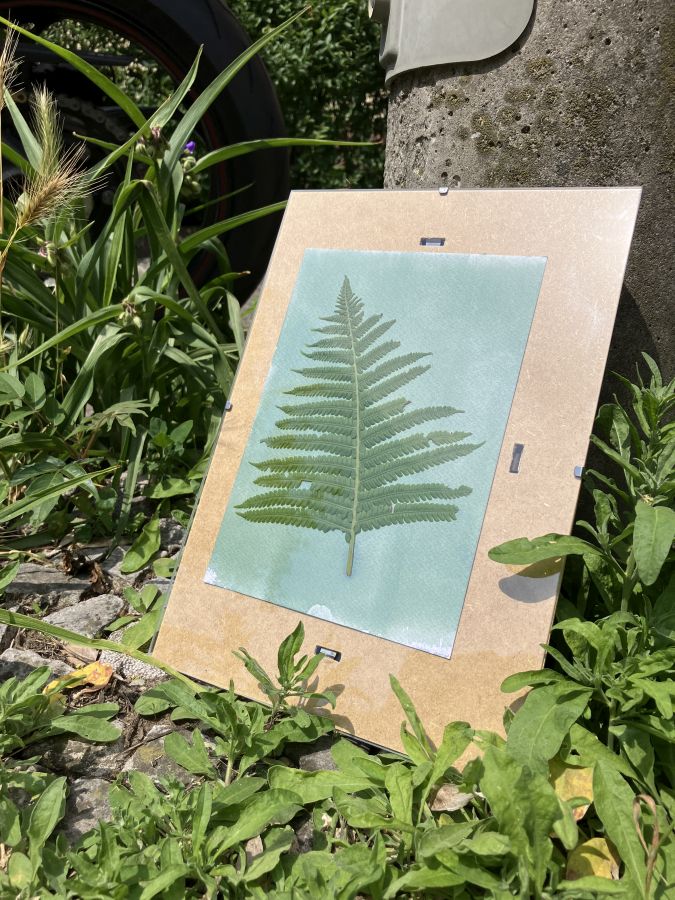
(474, 314)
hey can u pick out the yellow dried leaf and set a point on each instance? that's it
(97, 674)
(594, 857)
(572, 781)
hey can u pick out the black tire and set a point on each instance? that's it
(171, 31)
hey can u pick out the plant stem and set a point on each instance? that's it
(357, 461)
(630, 580)
(228, 771)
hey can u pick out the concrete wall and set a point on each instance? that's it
(585, 97)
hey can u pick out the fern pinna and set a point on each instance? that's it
(351, 437)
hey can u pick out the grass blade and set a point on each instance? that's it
(101, 81)
(211, 93)
(234, 150)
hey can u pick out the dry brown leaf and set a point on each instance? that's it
(594, 857)
(571, 781)
(449, 798)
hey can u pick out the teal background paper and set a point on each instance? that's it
(474, 314)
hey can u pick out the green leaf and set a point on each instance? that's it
(141, 632)
(163, 881)
(19, 871)
(531, 678)
(420, 878)
(191, 757)
(202, 817)
(543, 721)
(88, 727)
(313, 787)
(222, 154)
(412, 717)
(30, 144)
(46, 813)
(143, 548)
(525, 807)
(8, 573)
(273, 807)
(446, 837)
(10, 388)
(652, 539)
(27, 504)
(170, 487)
(398, 782)
(590, 885)
(10, 822)
(198, 238)
(613, 800)
(36, 393)
(524, 552)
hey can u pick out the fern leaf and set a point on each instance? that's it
(307, 466)
(376, 353)
(390, 427)
(373, 335)
(325, 389)
(411, 493)
(301, 518)
(334, 483)
(326, 424)
(341, 330)
(343, 410)
(384, 388)
(412, 443)
(330, 373)
(363, 327)
(406, 514)
(347, 446)
(387, 472)
(390, 367)
(330, 356)
(374, 415)
(309, 443)
(332, 343)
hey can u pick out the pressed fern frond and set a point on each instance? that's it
(352, 442)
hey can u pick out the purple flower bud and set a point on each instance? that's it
(190, 147)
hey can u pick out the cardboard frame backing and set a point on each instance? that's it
(585, 233)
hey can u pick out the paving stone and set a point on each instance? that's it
(72, 757)
(89, 616)
(317, 757)
(7, 632)
(87, 804)
(171, 535)
(18, 663)
(35, 580)
(304, 837)
(151, 759)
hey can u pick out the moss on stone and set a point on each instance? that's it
(539, 68)
(520, 94)
(487, 133)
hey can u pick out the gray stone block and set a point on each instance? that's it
(89, 616)
(18, 663)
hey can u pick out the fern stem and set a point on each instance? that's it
(359, 439)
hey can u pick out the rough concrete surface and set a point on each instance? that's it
(584, 97)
